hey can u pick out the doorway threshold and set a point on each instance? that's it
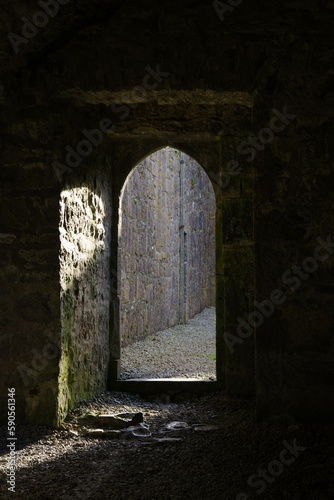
(147, 386)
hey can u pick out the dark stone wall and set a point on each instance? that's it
(150, 244)
(293, 226)
(30, 288)
(209, 87)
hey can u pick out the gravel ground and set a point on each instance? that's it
(194, 448)
(220, 448)
(187, 351)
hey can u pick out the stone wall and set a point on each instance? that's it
(200, 242)
(205, 84)
(85, 222)
(149, 244)
(30, 290)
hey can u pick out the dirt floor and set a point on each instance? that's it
(215, 450)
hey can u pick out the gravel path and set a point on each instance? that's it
(187, 351)
(217, 450)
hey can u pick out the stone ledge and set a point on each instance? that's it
(166, 385)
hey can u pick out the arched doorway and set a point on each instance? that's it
(166, 253)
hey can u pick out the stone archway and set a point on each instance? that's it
(166, 244)
(234, 259)
(234, 254)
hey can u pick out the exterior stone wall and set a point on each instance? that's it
(149, 244)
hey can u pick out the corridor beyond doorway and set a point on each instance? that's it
(166, 245)
(186, 351)
(166, 270)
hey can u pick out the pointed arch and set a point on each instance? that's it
(167, 272)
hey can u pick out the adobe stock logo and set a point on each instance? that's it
(39, 362)
(292, 278)
(221, 8)
(275, 468)
(278, 122)
(39, 20)
(94, 137)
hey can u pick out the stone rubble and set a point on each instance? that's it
(178, 464)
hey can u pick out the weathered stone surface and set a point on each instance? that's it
(102, 433)
(137, 431)
(166, 440)
(205, 427)
(85, 281)
(177, 426)
(120, 421)
(149, 245)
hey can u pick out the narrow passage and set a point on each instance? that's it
(187, 351)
